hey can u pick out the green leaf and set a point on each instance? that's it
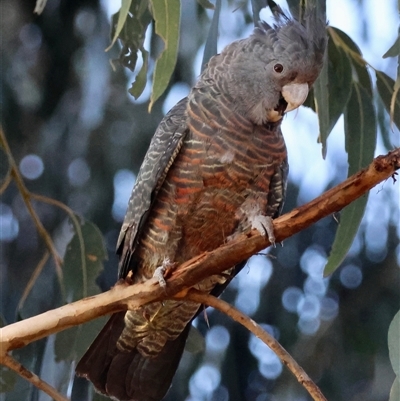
(210, 49)
(206, 4)
(384, 124)
(385, 86)
(133, 33)
(394, 343)
(195, 342)
(166, 14)
(394, 50)
(360, 129)
(360, 72)
(138, 86)
(321, 103)
(395, 390)
(7, 379)
(122, 15)
(332, 90)
(83, 262)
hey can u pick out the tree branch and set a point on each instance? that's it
(124, 296)
(258, 331)
(12, 364)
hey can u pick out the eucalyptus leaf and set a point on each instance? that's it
(395, 390)
(83, 262)
(7, 379)
(195, 342)
(394, 343)
(332, 91)
(166, 14)
(360, 71)
(385, 86)
(206, 4)
(139, 84)
(321, 103)
(122, 15)
(210, 48)
(133, 32)
(360, 128)
(394, 50)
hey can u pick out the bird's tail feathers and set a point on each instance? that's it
(129, 376)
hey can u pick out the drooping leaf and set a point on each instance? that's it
(395, 390)
(297, 8)
(166, 14)
(206, 4)
(210, 48)
(195, 342)
(83, 262)
(394, 50)
(332, 91)
(138, 86)
(133, 32)
(321, 103)
(386, 86)
(122, 15)
(383, 124)
(360, 70)
(7, 379)
(394, 343)
(360, 132)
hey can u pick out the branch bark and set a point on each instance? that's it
(124, 296)
(301, 376)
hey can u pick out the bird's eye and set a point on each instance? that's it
(278, 68)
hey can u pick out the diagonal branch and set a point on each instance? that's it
(124, 296)
(15, 366)
(258, 331)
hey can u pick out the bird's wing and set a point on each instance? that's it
(164, 148)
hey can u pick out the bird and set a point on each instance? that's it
(216, 168)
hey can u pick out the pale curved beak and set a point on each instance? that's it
(295, 95)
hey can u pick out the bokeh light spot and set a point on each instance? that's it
(351, 276)
(217, 339)
(31, 167)
(78, 172)
(9, 225)
(309, 307)
(123, 184)
(307, 326)
(205, 380)
(329, 308)
(291, 298)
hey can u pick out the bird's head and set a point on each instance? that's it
(271, 72)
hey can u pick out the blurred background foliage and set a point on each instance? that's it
(78, 137)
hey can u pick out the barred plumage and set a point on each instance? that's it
(216, 167)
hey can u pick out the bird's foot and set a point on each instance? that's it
(160, 271)
(265, 226)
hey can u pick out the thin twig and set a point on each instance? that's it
(256, 329)
(11, 363)
(26, 196)
(33, 278)
(78, 231)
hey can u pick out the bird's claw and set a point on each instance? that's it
(159, 272)
(265, 226)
